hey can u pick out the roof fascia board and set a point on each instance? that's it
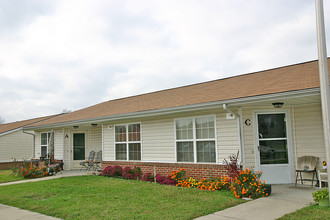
(186, 108)
(11, 131)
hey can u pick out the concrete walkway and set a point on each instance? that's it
(283, 200)
(65, 173)
(13, 213)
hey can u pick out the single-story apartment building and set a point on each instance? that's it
(15, 143)
(270, 117)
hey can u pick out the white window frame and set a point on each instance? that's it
(44, 145)
(127, 142)
(195, 140)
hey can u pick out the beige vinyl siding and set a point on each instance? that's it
(108, 151)
(58, 145)
(15, 145)
(248, 134)
(228, 136)
(158, 141)
(67, 149)
(309, 131)
(37, 142)
(95, 139)
(158, 136)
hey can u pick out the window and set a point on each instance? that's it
(128, 142)
(195, 140)
(44, 144)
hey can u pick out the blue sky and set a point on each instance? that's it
(57, 55)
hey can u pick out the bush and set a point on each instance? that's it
(190, 182)
(165, 180)
(148, 177)
(112, 171)
(178, 175)
(248, 184)
(31, 171)
(321, 194)
(132, 174)
(233, 167)
(213, 184)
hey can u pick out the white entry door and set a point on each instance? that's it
(273, 148)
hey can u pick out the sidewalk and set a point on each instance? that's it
(13, 213)
(65, 173)
(283, 200)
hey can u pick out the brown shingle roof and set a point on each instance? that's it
(14, 125)
(283, 79)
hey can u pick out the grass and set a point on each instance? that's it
(5, 176)
(310, 212)
(97, 197)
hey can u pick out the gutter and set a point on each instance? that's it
(240, 133)
(33, 144)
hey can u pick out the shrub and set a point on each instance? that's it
(132, 174)
(221, 183)
(233, 167)
(190, 182)
(15, 168)
(32, 171)
(178, 175)
(165, 180)
(112, 171)
(248, 184)
(148, 177)
(321, 194)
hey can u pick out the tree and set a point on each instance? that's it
(66, 111)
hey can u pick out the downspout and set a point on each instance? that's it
(240, 134)
(33, 144)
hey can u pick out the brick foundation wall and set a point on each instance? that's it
(197, 171)
(9, 165)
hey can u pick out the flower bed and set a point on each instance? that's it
(245, 183)
(248, 184)
(32, 171)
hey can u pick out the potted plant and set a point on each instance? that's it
(321, 197)
(324, 165)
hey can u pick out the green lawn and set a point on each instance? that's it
(97, 197)
(310, 212)
(6, 177)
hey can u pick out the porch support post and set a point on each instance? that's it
(324, 78)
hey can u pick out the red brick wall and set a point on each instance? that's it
(197, 171)
(9, 165)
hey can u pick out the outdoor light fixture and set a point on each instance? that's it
(278, 104)
(76, 126)
(94, 125)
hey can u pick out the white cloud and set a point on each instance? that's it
(59, 55)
